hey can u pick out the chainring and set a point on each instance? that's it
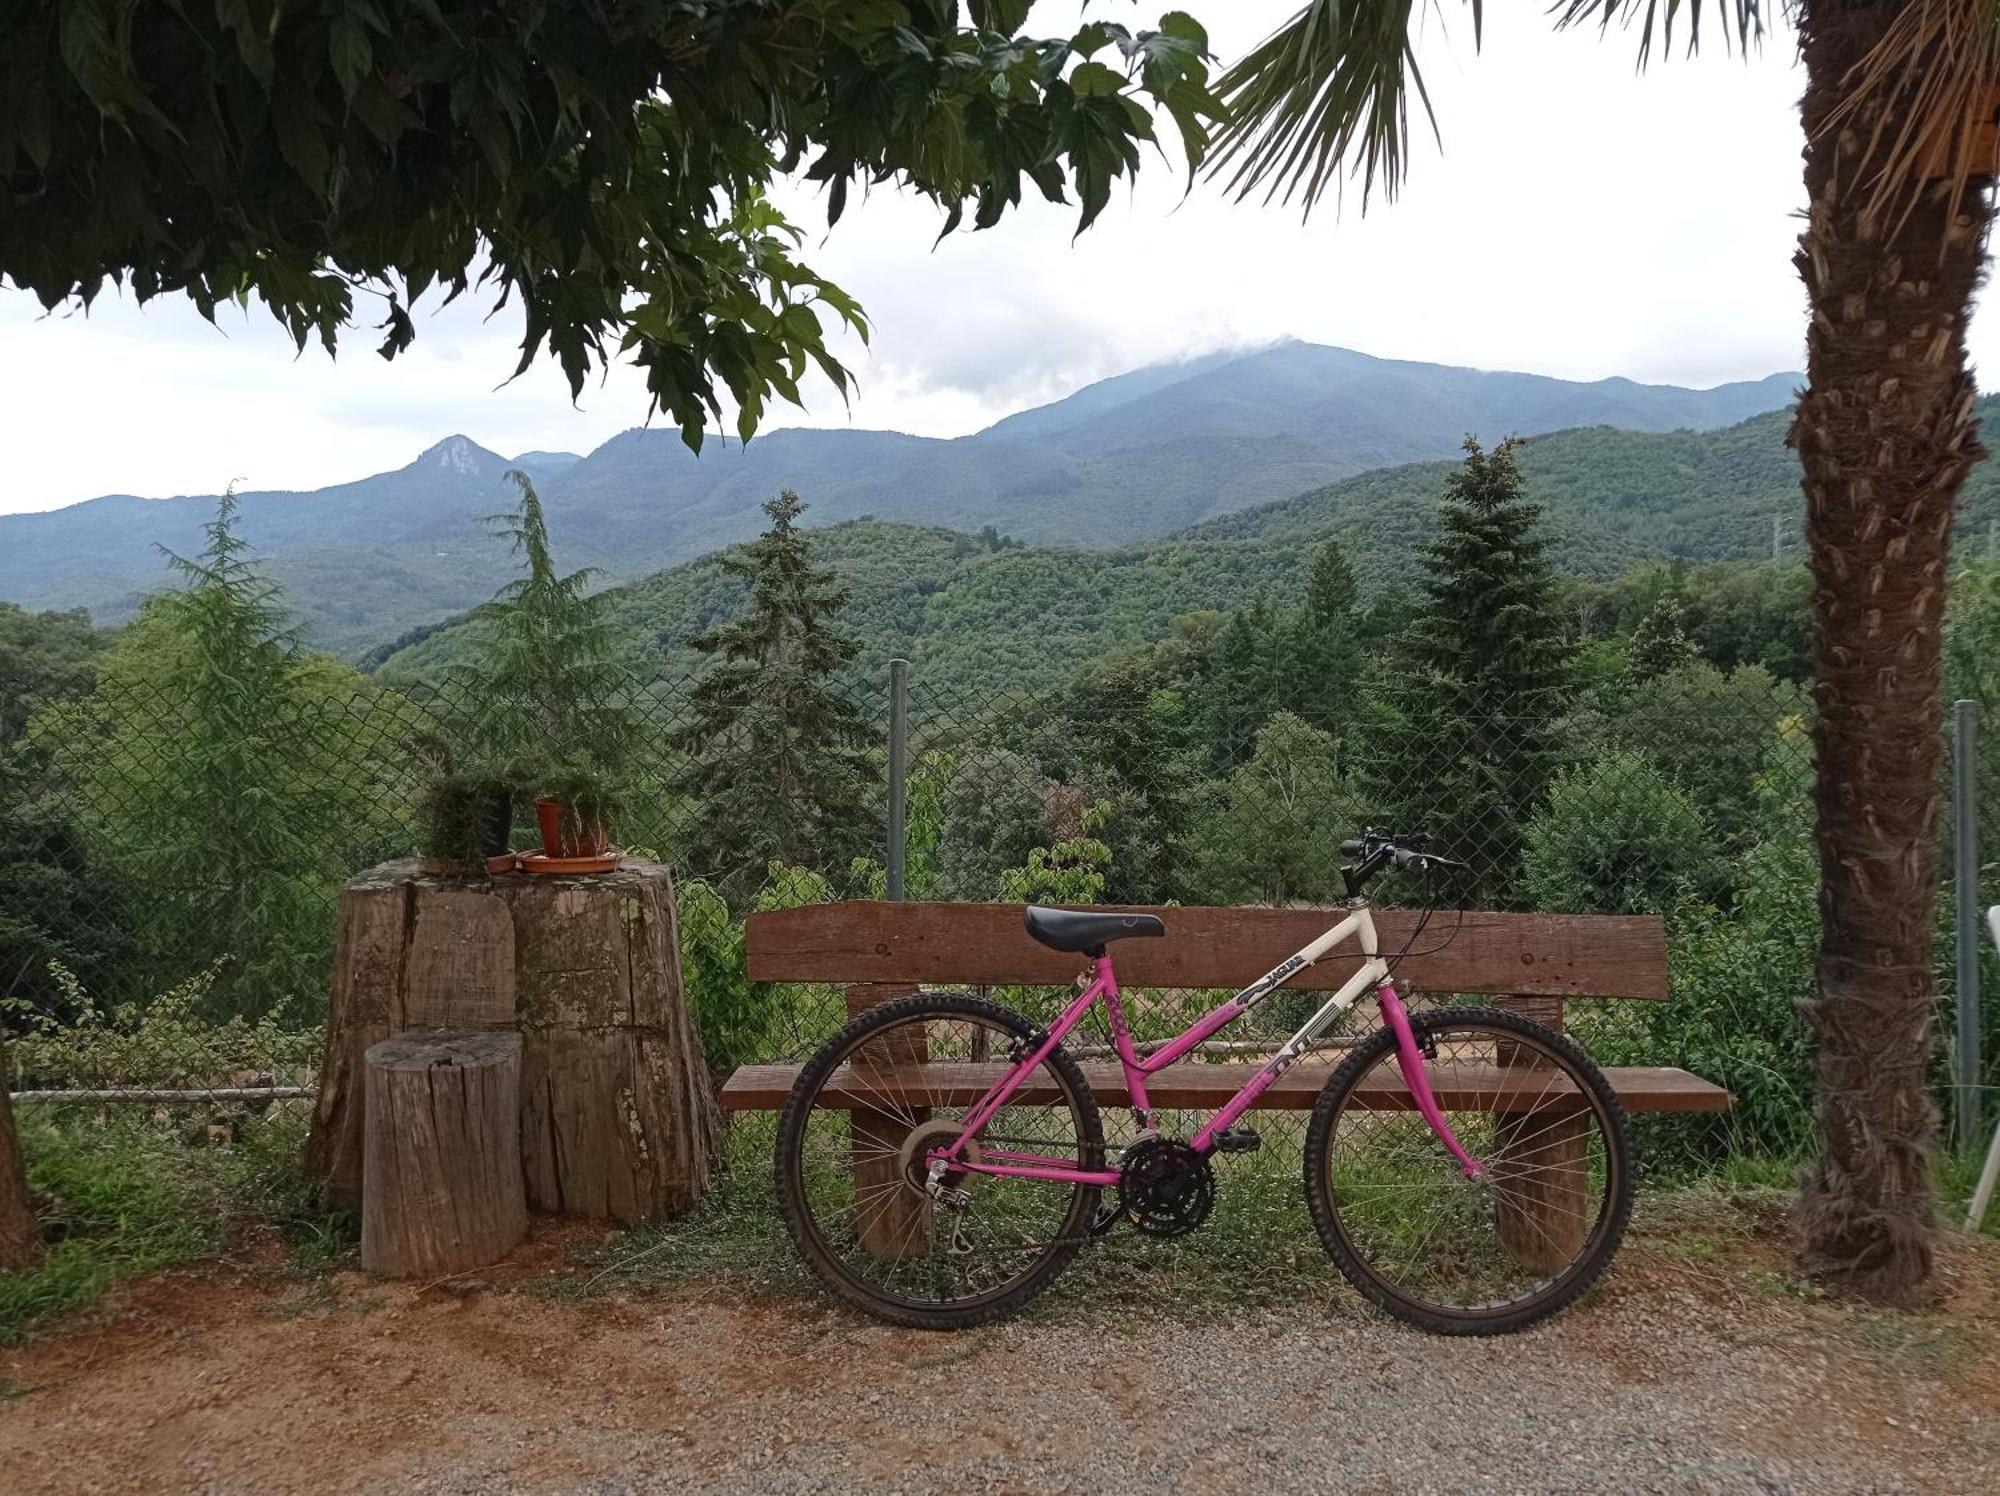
(1164, 1187)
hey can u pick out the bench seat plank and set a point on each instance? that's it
(1203, 1086)
(1531, 955)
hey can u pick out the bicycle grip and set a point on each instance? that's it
(1351, 847)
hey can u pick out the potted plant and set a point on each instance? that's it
(468, 819)
(574, 815)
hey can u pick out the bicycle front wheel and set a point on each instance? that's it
(1486, 1254)
(852, 1163)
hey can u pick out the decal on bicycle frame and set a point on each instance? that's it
(1269, 982)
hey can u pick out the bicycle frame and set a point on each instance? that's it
(1103, 985)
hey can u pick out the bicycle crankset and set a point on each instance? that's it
(1165, 1187)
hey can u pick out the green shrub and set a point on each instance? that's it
(1616, 838)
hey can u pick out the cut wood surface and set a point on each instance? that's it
(618, 1116)
(1480, 1087)
(442, 1180)
(1550, 955)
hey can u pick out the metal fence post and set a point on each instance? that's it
(1965, 888)
(899, 768)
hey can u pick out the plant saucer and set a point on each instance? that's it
(541, 862)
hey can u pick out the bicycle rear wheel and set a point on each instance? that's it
(852, 1169)
(1461, 1256)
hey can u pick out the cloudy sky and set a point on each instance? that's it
(1579, 221)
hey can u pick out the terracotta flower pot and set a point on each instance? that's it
(589, 841)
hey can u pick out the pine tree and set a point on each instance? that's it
(780, 760)
(1327, 651)
(549, 693)
(1330, 590)
(213, 765)
(1486, 665)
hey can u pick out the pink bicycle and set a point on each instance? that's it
(942, 1158)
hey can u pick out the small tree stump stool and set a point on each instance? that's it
(617, 1113)
(442, 1189)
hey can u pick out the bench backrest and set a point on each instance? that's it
(1535, 955)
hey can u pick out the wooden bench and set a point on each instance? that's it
(1531, 963)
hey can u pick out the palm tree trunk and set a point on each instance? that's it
(20, 1241)
(1886, 433)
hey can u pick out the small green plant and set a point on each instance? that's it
(169, 1040)
(1071, 871)
(466, 818)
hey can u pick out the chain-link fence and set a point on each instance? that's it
(167, 897)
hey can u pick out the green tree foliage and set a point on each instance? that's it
(1660, 643)
(1617, 837)
(549, 688)
(52, 907)
(741, 1021)
(1071, 870)
(225, 782)
(1713, 731)
(780, 764)
(603, 166)
(1486, 666)
(992, 806)
(1127, 738)
(43, 657)
(1738, 975)
(1270, 833)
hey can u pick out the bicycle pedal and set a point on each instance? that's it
(1238, 1140)
(1107, 1216)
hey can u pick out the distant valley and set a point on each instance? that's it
(1207, 444)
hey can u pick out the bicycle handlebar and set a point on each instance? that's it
(1378, 849)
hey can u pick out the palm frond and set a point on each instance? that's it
(1933, 74)
(1330, 85)
(1329, 90)
(1656, 18)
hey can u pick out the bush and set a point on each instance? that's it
(1738, 977)
(743, 1022)
(1616, 838)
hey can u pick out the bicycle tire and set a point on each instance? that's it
(1606, 1229)
(810, 1235)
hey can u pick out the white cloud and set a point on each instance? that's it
(1581, 221)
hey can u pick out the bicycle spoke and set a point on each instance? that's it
(1426, 1240)
(887, 1102)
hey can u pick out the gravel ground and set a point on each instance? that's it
(1679, 1375)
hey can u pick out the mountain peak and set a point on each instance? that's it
(463, 456)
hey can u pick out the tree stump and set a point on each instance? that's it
(20, 1237)
(442, 1187)
(1540, 1168)
(618, 1117)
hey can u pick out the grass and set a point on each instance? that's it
(122, 1194)
(125, 1194)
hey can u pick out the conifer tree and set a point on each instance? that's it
(212, 766)
(1330, 590)
(780, 761)
(550, 689)
(1487, 663)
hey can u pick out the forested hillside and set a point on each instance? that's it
(977, 615)
(1128, 459)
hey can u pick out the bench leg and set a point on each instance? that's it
(1541, 1186)
(892, 1220)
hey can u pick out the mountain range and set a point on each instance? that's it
(976, 617)
(1130, 459)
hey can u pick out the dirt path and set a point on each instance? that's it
(1679, 1377)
